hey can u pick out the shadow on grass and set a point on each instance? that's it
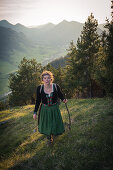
(14, 132)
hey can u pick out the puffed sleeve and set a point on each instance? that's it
(38, 99)
(60, 94)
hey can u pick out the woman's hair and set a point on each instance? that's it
(47, 73)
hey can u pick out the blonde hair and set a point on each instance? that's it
(44, 73)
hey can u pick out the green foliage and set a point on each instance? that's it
(59, 76)
(80, 68)
(23, 83)
(4, 105)
(104, 71)
(71, 70)
(109, 58)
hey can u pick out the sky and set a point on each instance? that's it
(39, 12)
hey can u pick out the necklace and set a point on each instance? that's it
(48, 89)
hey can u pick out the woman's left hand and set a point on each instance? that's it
(65, 100)
(34, 116)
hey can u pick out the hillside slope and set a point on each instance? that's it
(11, 40)
(88, 146)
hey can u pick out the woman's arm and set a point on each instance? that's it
(60, 94)
(38, 99)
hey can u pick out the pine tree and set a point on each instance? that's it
(71, 68)
(83, 57)
(100, 64)
(109, 56)
(23, 83)
(104, 62)
(108, 50)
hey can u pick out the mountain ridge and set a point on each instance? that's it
(8, 24)
(50, 33)
(63, 21)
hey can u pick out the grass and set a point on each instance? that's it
(88, 146)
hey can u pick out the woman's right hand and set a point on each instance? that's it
(34, 116)
(65, 100)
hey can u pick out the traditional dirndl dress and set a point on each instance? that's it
(50, 121)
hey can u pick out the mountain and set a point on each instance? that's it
(50, 40)
(18, 27)
(11, 40)
(60, 62)
(5, 23)
(56, 35)
(64, 32)
(45, 27)
(50, 34)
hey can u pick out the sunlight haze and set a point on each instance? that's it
(38, 12)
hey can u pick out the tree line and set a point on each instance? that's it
(88, 70)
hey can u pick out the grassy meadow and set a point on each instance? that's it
(87, 146)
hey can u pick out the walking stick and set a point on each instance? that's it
(36, 128)
(68, 116)
(37, 122)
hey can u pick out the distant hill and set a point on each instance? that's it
(11, 40)
(63, 33)
(18, 27)
(5, 23)
(60, 62)
(50, 34)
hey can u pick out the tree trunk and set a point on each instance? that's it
(91, 89)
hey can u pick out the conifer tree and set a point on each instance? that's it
(59, 77)
(23, 83)
(100, 64)
(84, 55)
(71, 68)
(109, 57)
(104, 73)
(105, 69)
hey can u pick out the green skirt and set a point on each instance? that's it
(50, 121)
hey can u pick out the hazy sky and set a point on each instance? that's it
(38, 12)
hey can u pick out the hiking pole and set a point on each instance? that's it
(68, 116)
(37, 121)
(36, 128)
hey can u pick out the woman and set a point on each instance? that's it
(50, 120)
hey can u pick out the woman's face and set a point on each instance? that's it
(47, 79)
